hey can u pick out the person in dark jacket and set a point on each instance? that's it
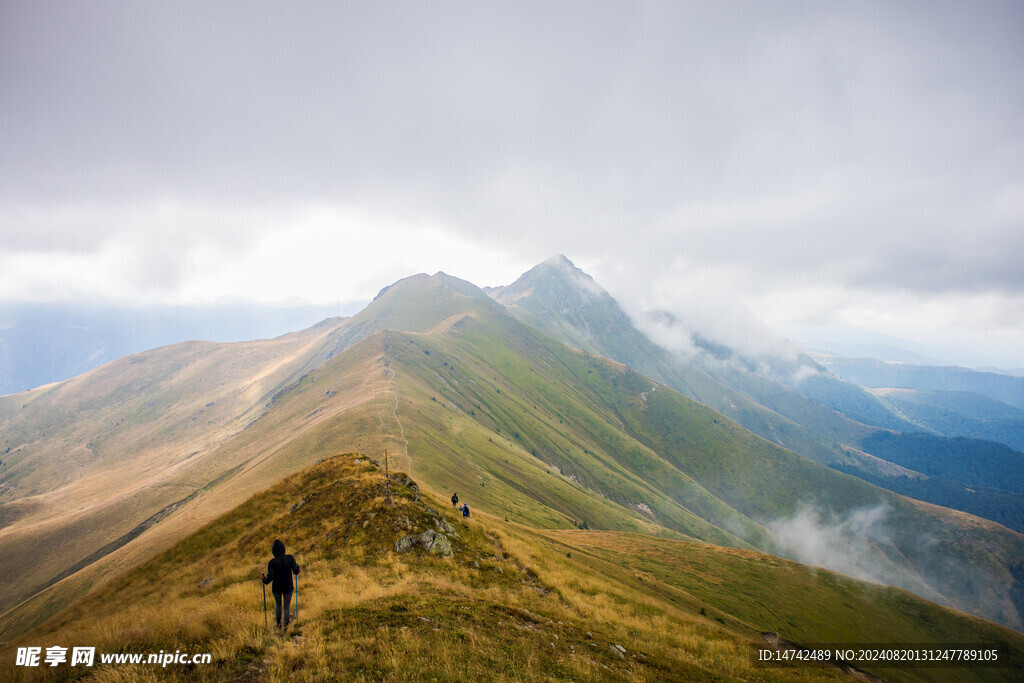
(279, 571)
(455, 500)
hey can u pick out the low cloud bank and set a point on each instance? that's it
(852, 544)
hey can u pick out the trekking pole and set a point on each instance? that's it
(266, 625)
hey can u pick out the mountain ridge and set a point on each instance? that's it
(809, 411)
(462, 393)
(496, 599)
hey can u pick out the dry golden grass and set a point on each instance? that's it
(512, 605)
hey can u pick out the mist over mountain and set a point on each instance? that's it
(780, 393)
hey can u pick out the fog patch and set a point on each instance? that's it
(664, 330)
(803, 372)
(697, 316)
(849, 544)
(578, 277)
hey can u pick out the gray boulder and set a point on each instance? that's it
(441, 546)
(430, 540)
(405, 544)
(435, 543)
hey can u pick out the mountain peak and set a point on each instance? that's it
(559, 260)
(556, 277)
(560, 263)
(563, 301)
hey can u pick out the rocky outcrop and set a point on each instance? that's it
(445, 526)
(434, 542)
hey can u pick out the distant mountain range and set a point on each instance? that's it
(44, 343)
(540, 402)
(869, 372)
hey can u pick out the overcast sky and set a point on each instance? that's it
(838, 164)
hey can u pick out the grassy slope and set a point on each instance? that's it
(566, 304)
(301, 423)
(512, 604)
(802, 604)
(598, 424)
(93, 457)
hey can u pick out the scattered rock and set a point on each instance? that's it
(446, 526)
(296, 506)
(619, 648)
(409, 484)
(205, 582)
(435, 543)
(429, 540)
(616, 651)
(442, 546)
(644, 508)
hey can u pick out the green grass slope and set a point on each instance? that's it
(565, 303)
(540, 423)
(510, 604)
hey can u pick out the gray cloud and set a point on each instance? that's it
(870, 146)
(857, 543)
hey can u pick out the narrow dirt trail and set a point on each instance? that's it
(398, 420)
(405, 462)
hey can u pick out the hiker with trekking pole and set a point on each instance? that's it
(279, 572)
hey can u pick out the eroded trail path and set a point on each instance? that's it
(403, 461)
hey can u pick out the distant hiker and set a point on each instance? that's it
(465, 510)
(279, 571)
(455, 500)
